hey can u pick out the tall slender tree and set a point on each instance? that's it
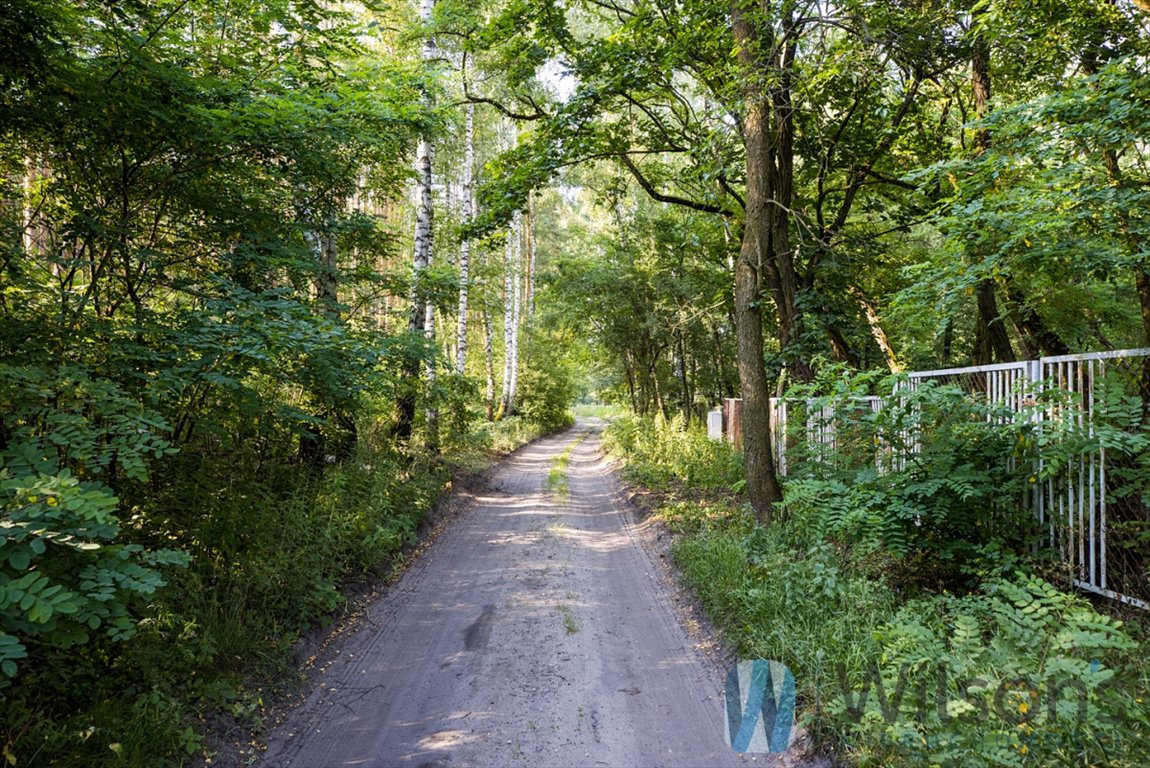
(468, 204)
(512, 312)
(420, 318)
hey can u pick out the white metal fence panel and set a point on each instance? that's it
(1083, 499)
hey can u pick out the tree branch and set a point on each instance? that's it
(726, 185)
(471, 98)
(661, 197)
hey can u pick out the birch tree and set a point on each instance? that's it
(516, 303)
(510, 316)
(488, 362)
(532, 246)
(420, 319)
(468, 202)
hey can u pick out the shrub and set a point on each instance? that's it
(1020, 674)
(63, 576)
(659, 451)
(546, 381)
(933, 482)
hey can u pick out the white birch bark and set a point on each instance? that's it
(323, 249)
(489, 361)
(465, 246)
(508, 321)
(422, 317)
(531, 249)
(423, 205)
(516, 303)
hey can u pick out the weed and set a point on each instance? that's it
(557, 482)
(570, 622)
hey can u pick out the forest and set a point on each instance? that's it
(272, 274)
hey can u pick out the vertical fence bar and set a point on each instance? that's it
(1090, 429)
(1102, 500)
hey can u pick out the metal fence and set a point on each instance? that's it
(1091, 503)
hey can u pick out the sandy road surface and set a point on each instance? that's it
(533, 633)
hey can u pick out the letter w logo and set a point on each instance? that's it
(760, 706)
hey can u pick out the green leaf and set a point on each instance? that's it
(20, 558)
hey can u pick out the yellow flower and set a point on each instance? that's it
(1024, 707)
(51, 501)
(1022, 750)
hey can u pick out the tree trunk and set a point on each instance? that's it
(1142, 281)
(531, 250)
(516, 306)
(465, 246)
(1037, 336)
(840, 349)
(874, 322)
(630, 371)
(323, 248)
(510, 296)
(432, 414)
(759, 226)
(991, 341)
(778, 156)
(683, 380)
(489, 363)
(421, 258)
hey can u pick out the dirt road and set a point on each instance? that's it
(534, 632)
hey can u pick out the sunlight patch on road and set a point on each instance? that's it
(598, 541)
(447, 739)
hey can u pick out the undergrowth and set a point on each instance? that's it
(275, 556)
(1005, 669)
(662, 452)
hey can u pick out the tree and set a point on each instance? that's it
(421, 320)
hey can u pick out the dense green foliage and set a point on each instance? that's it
(1015, 672)
(665, 453)
(217, 405)
(930, 481)
(203, 331)
(922, 221)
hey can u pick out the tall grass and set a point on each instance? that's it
(660, 452)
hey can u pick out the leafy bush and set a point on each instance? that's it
(546, 382)
(1020, 674)
(61, 576)
(933, 482)
(659, 451)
